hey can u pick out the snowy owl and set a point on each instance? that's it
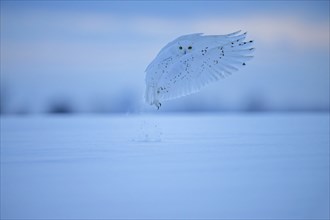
(192, 61)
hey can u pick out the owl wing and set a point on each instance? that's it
(214, 57)
(158, 68)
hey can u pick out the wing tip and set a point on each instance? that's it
(234, 33)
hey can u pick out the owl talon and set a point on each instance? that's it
(158, 105)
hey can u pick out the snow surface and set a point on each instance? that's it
(165, 166)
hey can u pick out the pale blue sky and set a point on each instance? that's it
(93, 54)
(315, 9)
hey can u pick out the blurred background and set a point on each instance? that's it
(90, 57)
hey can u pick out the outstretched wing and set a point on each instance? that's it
(213, 58)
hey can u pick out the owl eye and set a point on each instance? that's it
(180, 48)
(190, 47)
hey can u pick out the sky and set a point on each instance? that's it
(90, 56)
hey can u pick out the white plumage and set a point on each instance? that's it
(192, 61)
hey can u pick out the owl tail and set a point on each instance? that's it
(149, 95)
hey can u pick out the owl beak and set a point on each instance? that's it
(184, 52)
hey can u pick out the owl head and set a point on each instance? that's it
(184, 47)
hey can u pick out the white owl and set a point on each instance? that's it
(192, 61)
